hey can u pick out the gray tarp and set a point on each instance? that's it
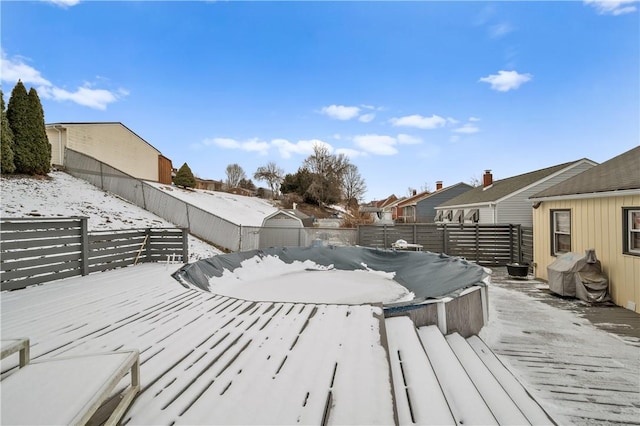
(427, 275)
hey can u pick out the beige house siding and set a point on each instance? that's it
(595, 223)
(111, 143)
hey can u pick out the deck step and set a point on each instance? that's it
(525, 402)
(419, 398)
(466, 403)
(504, 408)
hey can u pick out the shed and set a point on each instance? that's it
(284, 228)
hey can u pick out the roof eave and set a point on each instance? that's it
(618, 193)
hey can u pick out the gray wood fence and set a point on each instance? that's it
(494, 245)
(34, 251)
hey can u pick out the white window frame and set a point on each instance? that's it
(555, 232)
(630, 230)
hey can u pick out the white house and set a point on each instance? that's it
(506, 200)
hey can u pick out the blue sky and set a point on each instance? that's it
(412, 92)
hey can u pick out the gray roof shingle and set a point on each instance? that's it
(619, 173)
(504, 187)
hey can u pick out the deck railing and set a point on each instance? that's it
(38, 250)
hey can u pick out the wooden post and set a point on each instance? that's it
(185, 246)
(445, 240)
(84, 245)
(511, 248)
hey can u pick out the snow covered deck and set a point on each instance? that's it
(210, 359)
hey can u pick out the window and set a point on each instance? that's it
(560, 232)
(472, 215)
(631, 238)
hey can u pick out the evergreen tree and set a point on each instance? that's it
(184, 177)
(6, 145)
(18, 117)
(39, 141)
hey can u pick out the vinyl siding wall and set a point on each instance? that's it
(110, 143)
(595, 223)
(517, 208)
(425, 209)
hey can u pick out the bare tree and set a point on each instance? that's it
(234, 175)
(353, 186)
(272, 174)
(475, 181)
(327, 171)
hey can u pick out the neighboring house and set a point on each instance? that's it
(426, 208)
(242, 191)
(112, 143)
(506, 200)
(380, 210)
(598, 209)
(209, 184)
(405, 210)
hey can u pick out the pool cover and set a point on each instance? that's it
(427, 275)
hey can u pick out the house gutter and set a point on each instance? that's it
(621, 193)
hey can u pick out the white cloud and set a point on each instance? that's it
(340, 112)
(14, 69)
(452, 120)
(365, 118)
(419, 121)
(376, 144)
(303, 147)
(351, 153)
(613, 7)
(249, 145)
(408, 139)
(500, 30)
(474, 119)
(506, 80)
(64, 3)
(468, 129)
(86, 96)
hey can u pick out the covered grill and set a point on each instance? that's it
(579, 275)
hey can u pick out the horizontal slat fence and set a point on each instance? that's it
(494, 245)
(38, 250)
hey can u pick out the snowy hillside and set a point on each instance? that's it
(64, 195)
(245, 211)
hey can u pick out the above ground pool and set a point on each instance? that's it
(342, 275)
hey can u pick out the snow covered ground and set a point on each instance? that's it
(579, 373)
(64, 196)
(245, 211)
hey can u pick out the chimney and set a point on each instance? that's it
(487, 178)
(438, 185)
(415, 192)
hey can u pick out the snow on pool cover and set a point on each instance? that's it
(344, 275)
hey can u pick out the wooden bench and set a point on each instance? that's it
(68, 390)
(11, 346)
